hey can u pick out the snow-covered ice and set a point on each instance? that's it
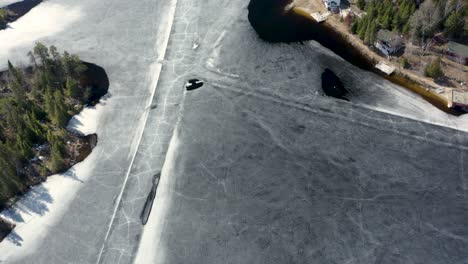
(46, 19)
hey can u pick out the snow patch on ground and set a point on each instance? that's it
(44, 20)
(86, 121)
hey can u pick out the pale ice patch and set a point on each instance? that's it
(44, 20)
(409, 105)
(4, 3)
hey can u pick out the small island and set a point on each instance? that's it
(36, 104)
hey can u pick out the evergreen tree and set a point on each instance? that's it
(368, 34)
(361, 4)
(354, 27)
(44, 171)
(34, 127)
(57, 149)
(387, 20)
(61, 110)
(406, 28)
(10, 182)
(56, 159)
(72, 65)
(49, 105)
(24, 146)
(13, 118)
(362, 28)
(17, 83)
(454, 24)
(41, 51)
(71, 88)
(32, 59)
(373, 30)
(396, 23)
(3, 18)
(405, 63)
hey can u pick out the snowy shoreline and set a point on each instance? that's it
(45, 203)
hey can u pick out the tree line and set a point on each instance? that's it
(419, 20)
(35, 106)
(434, 16)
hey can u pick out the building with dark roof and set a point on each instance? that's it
(388, 42)
(457, 52)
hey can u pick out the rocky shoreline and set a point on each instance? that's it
(78, 146)
(5, 228)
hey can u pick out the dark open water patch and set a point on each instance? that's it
(273, 24)
(19, 9)
(90, 141)
(5, 228)
(332, 85)
(95, 78)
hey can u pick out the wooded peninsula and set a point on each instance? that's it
(36, 104)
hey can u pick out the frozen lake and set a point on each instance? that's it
(257, 166)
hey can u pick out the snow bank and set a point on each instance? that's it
(86, 121)
(44, 20)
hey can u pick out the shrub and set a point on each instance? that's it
(3, 17)
(434, 70)
(405, 63)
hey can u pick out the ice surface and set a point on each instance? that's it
(257, 165)
(122, 37)
(7, 2)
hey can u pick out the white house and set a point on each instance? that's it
(332, 5)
